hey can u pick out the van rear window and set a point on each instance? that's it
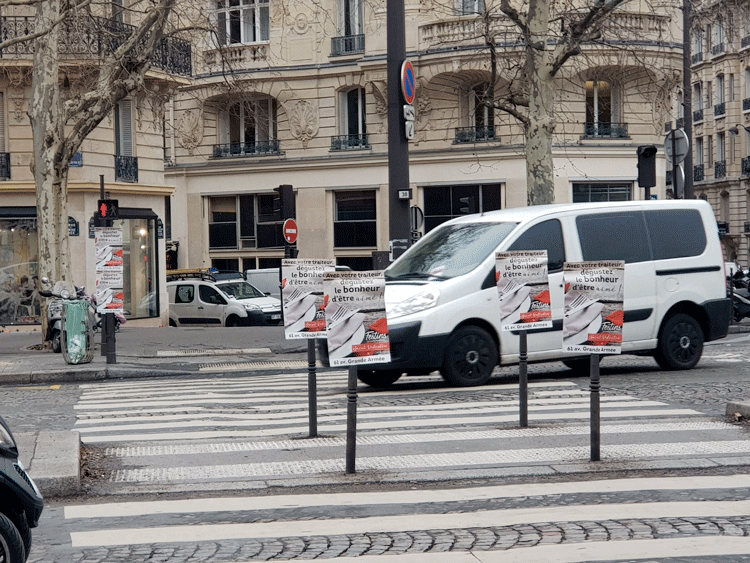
(676, 233)
(614, 236)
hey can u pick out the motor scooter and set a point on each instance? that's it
(740, 296)
(21, 505)
(57, 295)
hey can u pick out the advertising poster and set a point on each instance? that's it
(355, 317)
(302, 297)
(594, 294)
(109, 294)
(523, 290)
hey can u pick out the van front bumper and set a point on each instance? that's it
(409, 351)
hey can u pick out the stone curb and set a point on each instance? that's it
(737, 408)
(53, 460)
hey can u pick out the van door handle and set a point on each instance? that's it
(200, 307)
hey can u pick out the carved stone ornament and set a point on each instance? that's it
(379, 92)
(303, 121)
(190, 129)
(301, 24)
(18, 100)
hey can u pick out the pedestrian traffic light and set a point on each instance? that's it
(647, 166)
(108, 208)
(286, 201)
(469, 205)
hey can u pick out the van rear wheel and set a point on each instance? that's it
(470, 357)
(680, 343)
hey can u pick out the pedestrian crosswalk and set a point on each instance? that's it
(536, 499)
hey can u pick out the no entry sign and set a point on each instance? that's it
(290, 231)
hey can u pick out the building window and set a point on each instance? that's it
(249, 128)
(245, 222)
(126, 164)
(602, 109)
(600, 192)
(19, 274)
(351, 17)
(352, 120)
(699, 150)
(697, 46)
(242, 21)
(718, 38)
(355, 219)
(442, 203)
(470, 7)
(482, 106)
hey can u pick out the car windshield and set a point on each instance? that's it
(240, 290)
(449, 251)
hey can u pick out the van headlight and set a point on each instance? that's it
(415, 304)
(251, 307)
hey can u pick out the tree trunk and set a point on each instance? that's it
(51, 179)
(540, 178)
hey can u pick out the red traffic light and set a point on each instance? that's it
(108, 208)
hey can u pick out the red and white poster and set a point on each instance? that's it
(109, 293)
(523, 289)
(302, 297)
(594, 307)
(355, 317)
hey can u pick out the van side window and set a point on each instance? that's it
(184, 294)
(544, 236)
(209, 295)
(614, 236)
(676, 233)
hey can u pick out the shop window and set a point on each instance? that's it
(602, 192)
(20, 302)
(259, 222)
(242, 21)
(222, 226)
(354, 223)
(442, 203)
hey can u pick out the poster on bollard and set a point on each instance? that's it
(594, 309)
(355, 318)
(302, 297)
(109, 293)
(523, 289)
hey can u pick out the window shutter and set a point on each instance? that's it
(2, 122)
(126, 128)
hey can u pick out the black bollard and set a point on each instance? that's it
(351, 422)
(312, 393)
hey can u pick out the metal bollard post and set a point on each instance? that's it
(595, 411)
(312, 394)
(351, 422)
(523, 380)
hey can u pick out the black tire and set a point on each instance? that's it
(11, 543)
(378, 377)
(470, 357)
(22, 525)
(578, 364)
(680, 343)
(56, 341)
(233, 321)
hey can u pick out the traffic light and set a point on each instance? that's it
(286, 201)
(647, 166)
(108, 208)
(469, 205)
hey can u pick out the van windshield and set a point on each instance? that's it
(449, 251)
(240, 290)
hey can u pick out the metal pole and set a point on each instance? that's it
(351, 422)
(109, 330)
(312, 393)
(595, 410)
(99, 222)
(398, 145)
(687, 94)
(523, 380)
(675, 167)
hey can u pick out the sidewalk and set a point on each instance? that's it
(53, 458)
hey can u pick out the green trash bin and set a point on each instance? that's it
(77, 332)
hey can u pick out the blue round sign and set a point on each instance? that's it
(408, 82)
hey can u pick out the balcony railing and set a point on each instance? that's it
(349, 142)
(698, 175)
(745, 42)
(126, 168)
(697, 115)
(246, 149)
(474, 134)
(668, 178)
(720, 109)
(606, 130)
(680, 123)
(720, 169)
(347, 44)
(4, 166)
(746, 228)
(696, 58)
(95, 36)
(746, 166)
(717, 49)
(746, 104)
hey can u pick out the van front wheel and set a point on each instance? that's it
(470, 357)
(680, 343)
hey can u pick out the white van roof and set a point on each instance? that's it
(523, 214)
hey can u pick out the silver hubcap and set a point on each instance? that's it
(684, 342)
(472, 356)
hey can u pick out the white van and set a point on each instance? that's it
(441, 296)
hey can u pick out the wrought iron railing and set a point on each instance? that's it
(348, 142)
(746, 166)
(746, 228)
(4, 166)
(680, 123)
(698, 173)
(745, 42)
(720, 109)
(246, 149)
(95, 36)
(611, 130)
(126, 168)
(717, 49)
(696, 58)
(697, 115)
(475, 134)
(720, 169)
(347, 44)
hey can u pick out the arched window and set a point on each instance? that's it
(602, 110)
(249, 127)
